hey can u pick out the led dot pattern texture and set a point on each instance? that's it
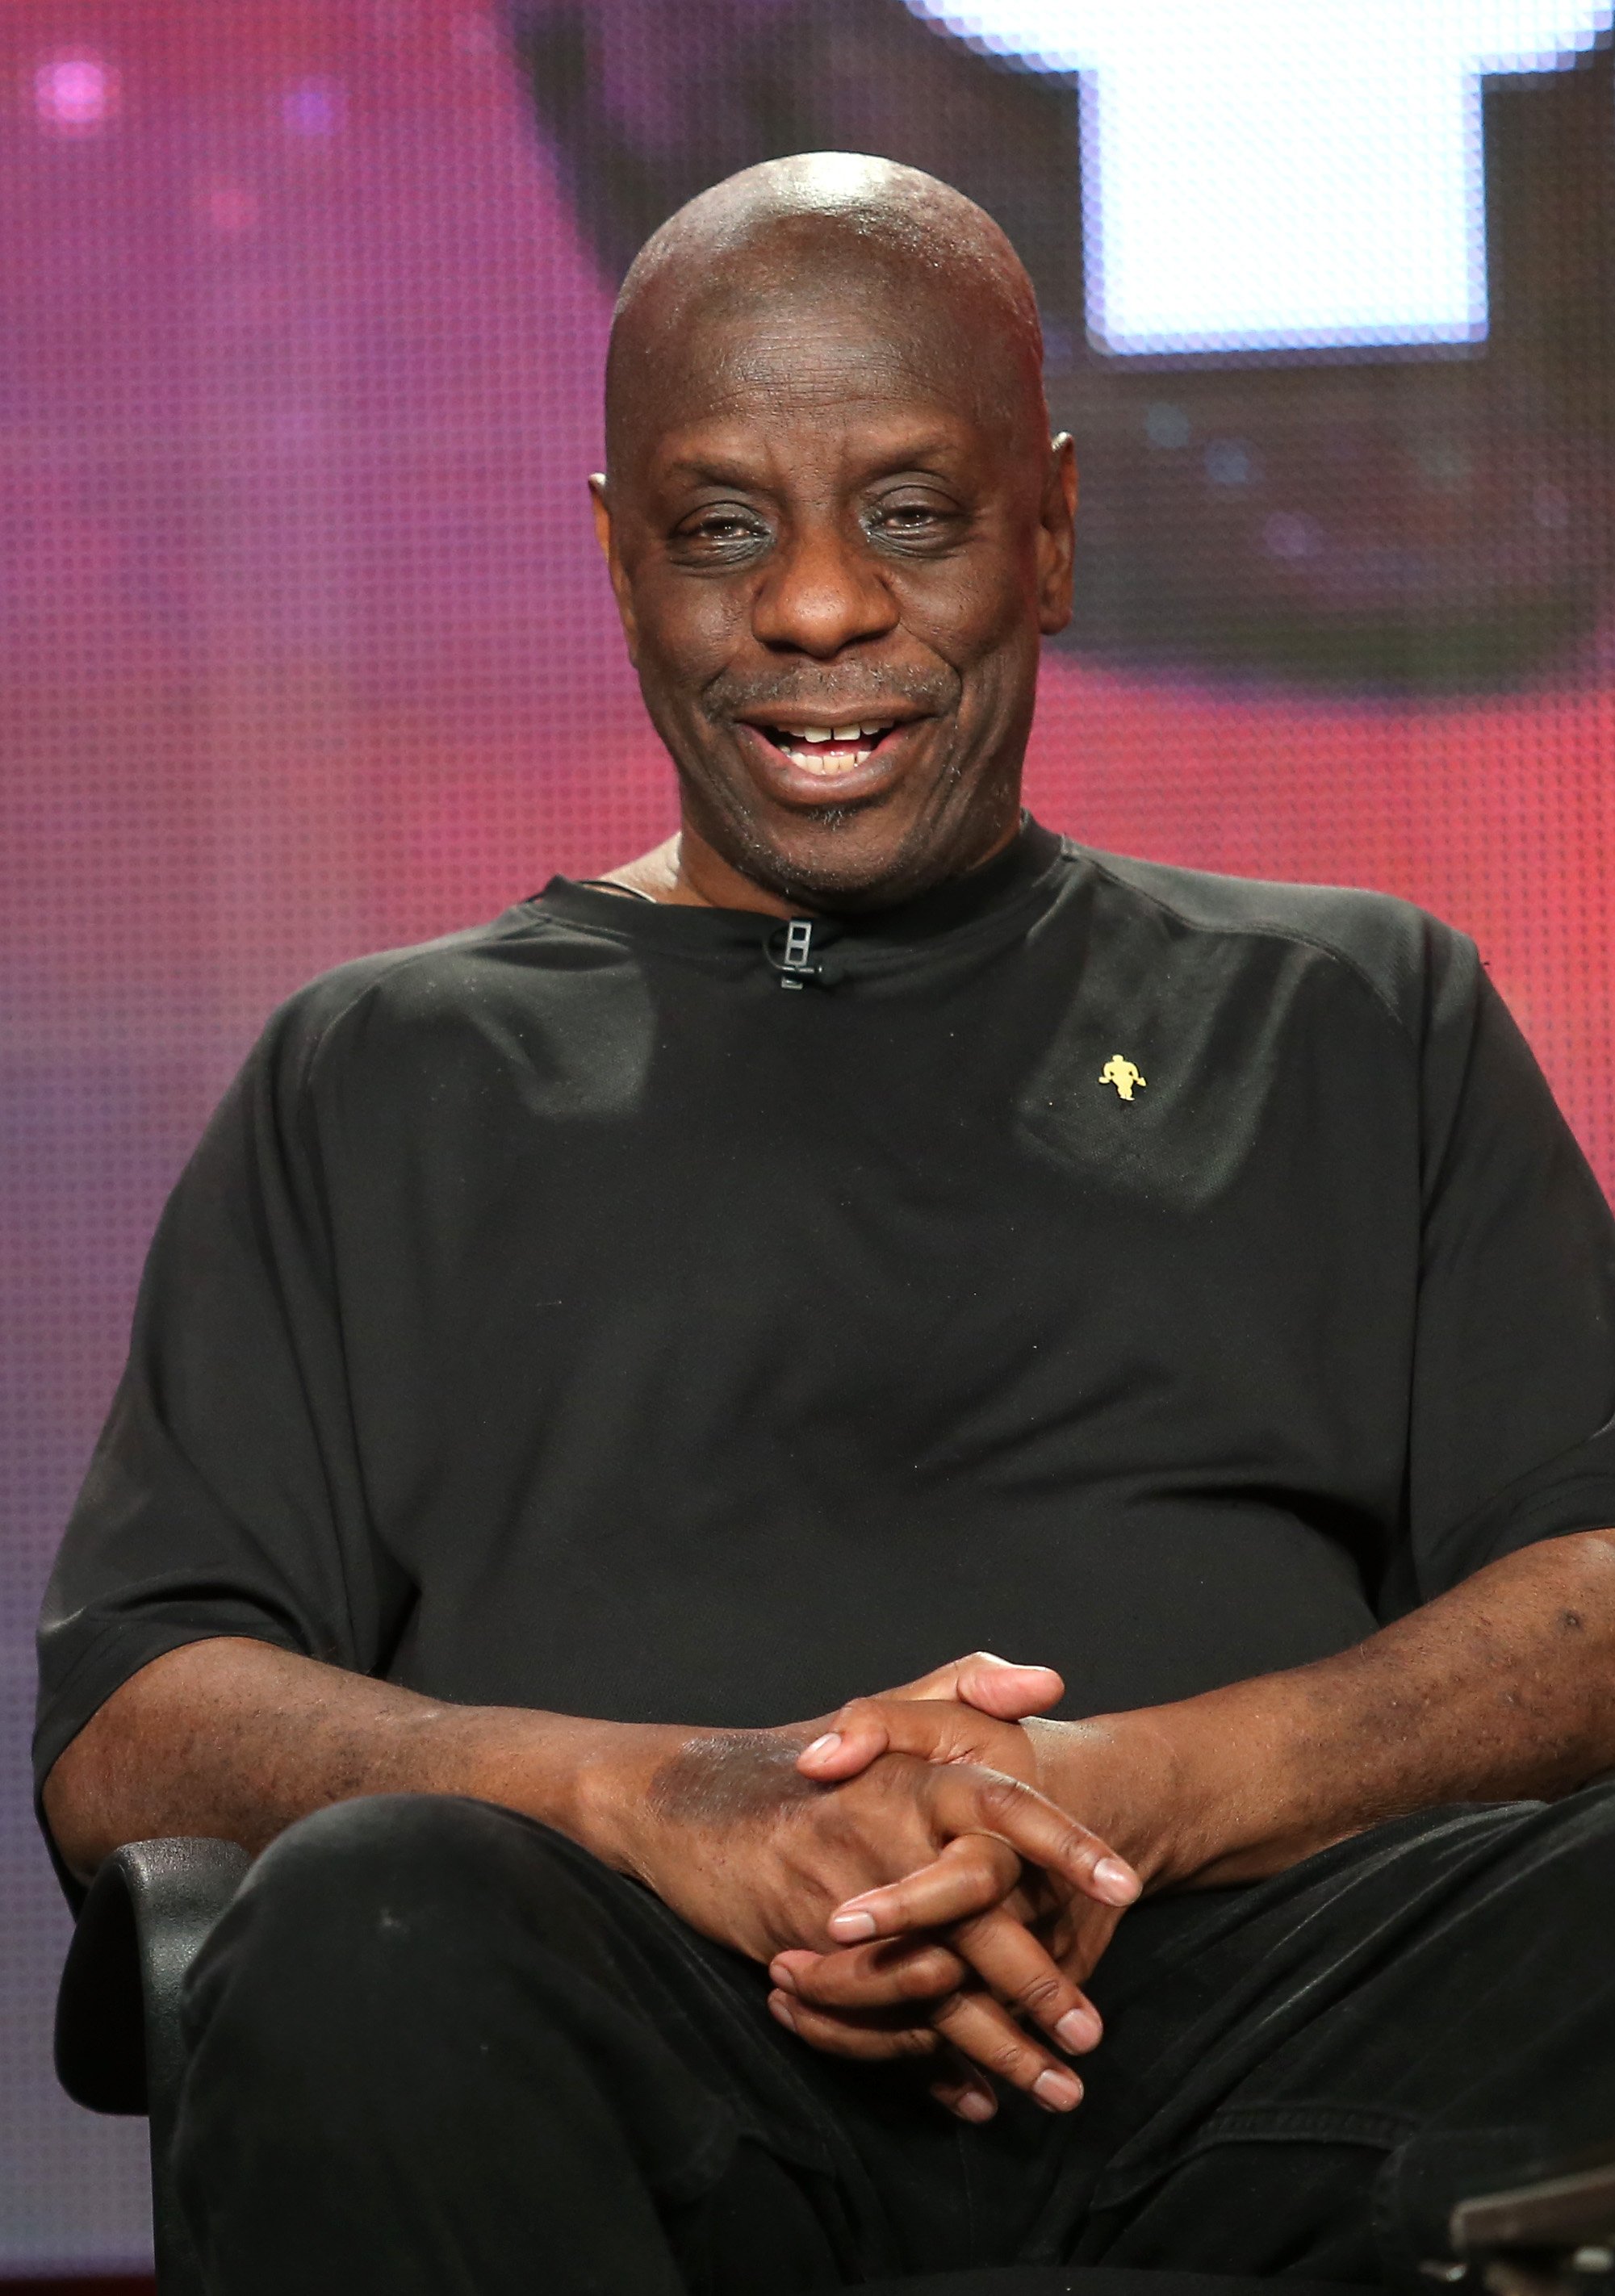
(305, 648)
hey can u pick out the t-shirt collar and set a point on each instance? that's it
(1019, 878)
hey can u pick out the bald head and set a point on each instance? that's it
(841, 230)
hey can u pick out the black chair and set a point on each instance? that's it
(119, 2049)
(119, 2043)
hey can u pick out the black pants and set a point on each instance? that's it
(440, 2049)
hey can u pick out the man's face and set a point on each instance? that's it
(836, 517)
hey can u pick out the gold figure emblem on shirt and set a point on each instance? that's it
(1123, 1073)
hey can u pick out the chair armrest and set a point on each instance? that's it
(1554, 2236)
(119, 2045)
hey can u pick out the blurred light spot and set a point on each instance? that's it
(1166, 425)
(75, 95)
(1230, 462)
(314, 108)
(1292, 535)
(1551, 507)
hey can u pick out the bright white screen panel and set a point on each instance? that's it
(1271, 175)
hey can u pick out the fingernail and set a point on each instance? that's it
(782, 1977)
(1119, 1883)
(781, 2009)
(1059, 2091)
(824, 1745)
(852, 1929)
(1079, 2029)
(975, 2104)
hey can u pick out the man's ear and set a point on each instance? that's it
(1056, 536)
(619, 587)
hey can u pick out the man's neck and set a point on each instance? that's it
(685, 871)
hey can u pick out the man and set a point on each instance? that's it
(863, 1228)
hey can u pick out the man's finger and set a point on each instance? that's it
(1005, 1690)
(979, 2029)
(983, 2030)
(997, 1685)
(967, 2093)
(968, 1875)
(975, 2028)
(973, 1805)
(935, 1729)
(891, 1974)
(1024, 1976)
(966, 1799)
(980, 1683)
(844, 2035)
(896, 1973)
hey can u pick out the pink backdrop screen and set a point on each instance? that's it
(305, 648)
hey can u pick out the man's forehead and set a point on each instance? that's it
(863, 313)
(821, 277)
(837, 366)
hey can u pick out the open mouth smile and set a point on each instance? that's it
(826, 751)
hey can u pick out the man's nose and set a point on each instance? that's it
(821, 591)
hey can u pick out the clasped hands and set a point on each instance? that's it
(990, 1903)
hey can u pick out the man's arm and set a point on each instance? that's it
(237, 1739)
(231, 1737)
(1503, 1688)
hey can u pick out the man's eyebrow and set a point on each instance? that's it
(910, 454)
(918, 455)
(697, 471)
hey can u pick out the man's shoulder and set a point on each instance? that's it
(399, 991)
(1398, 952)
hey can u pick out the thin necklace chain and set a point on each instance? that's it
(609, 885)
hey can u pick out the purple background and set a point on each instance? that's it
(305, 651)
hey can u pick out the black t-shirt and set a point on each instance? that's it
(1160, 1276)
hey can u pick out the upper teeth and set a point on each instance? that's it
(840, 732)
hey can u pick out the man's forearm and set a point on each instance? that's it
(1503, 1688)
(232, 1739)
(235, 1739)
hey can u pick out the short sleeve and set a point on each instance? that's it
(225, 1496)
(1511, 1437)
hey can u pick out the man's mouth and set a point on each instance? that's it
(827, 750)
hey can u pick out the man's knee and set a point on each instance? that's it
(372, 1862)
(390, 1903)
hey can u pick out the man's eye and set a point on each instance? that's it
(911, 521)
(721, 529)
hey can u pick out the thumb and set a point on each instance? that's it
(938, 1730)
(993, 1685)
(931, 1716)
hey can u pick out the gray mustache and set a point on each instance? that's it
(862, 700)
